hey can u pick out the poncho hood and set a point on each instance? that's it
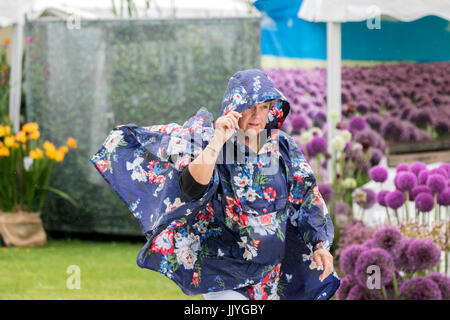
(249, 87)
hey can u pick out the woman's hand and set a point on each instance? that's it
(322, 257)
(226, 126)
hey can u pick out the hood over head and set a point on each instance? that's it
(249, 87)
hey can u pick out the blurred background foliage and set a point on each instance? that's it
(83, 82)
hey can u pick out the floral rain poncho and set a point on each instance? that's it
(251, 232)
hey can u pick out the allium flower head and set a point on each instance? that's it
(299, 123)
(316, 145)
(348, 282)
(357, 123)
(401, 259)
(419, 288)
(348, 258)
(342, 208)
(443, 283)
(416, 167)
(405, 181)
(416, 190)
(378, 174)
(378, 257)
(389, 239)
(440, 171)
(423, 254)
(361, 292)
(402, 167)
(424, 202)
(443, 198)
(381, 197)
(326, 191)
(395, 199)
(436, 183)
(423, 176)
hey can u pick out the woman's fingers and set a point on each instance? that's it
(318, 260)
(328, 269)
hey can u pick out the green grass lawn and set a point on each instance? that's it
(108, 270)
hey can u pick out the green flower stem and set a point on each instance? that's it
(383, 291)
(394, 282)
(435, 208)
(396, 215)
(406, 206)
(388, 216)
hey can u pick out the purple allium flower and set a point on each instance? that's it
(348, 282)
(357, 123)
(443, 198)
(361, 292)
(442, 126)
(443, 283)
(423, 254)
(316, 145)
(374, 120)
(440, 171)
(401, 259)
(370, 198)
(419, 288)
(348, 258)
(405, 181)
(375, 256)
(378, 174)
(381, 197)
(326, 191)
(424, 202)
(354, 233)
(423, 176)
(389, 239)
(436, 183)
(391, 130)
(446, 166)
(299, 122)
(377, 155)
(369, 244)
(416, 190)
(395, 199)
(402, 167)
(342, 208)
(421, 119)
(416, 167)
(320, 118)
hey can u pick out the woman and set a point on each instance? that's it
(226, 211)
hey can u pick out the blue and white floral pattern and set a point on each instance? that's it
(251, 231)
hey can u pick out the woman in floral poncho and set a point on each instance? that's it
(260, 227)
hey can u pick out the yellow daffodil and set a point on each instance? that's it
(2, 131)
(59, 156)
(30, 127)
(21, 136)
(36, 153)
(9, 141)
(49, 146)
(71, 142)
(63, 149)
(4, 152)
(51, 154)
(34, 135)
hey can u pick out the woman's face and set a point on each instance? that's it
(254, 119)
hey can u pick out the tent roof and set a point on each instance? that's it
(360, 10)
(14, 11)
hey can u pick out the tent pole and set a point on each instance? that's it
(15, 81)
(333, 87)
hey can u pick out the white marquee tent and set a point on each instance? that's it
(335, 12)
(12, 13)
